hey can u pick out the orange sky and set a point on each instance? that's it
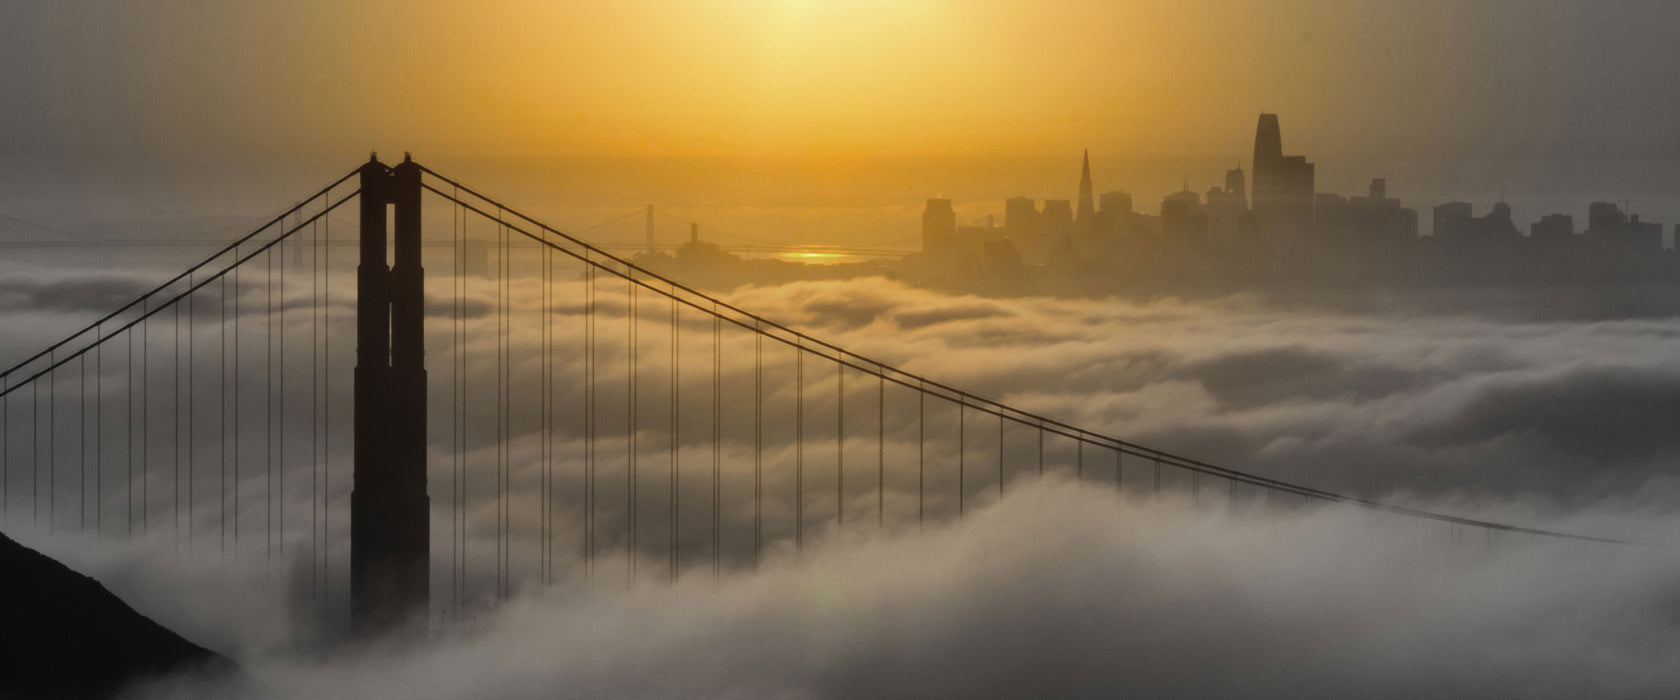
(814, 79)
(810, 120)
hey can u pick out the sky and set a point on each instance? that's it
(808, 122)
(813, 80)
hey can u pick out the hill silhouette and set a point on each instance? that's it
(63, 635)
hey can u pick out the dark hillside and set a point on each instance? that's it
(62, 635)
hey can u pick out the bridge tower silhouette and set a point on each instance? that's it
(390, 535)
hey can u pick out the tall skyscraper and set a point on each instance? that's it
(939, 226)
(1236, 186)
(1283, 185)
(1086, 208)
(1268, 146)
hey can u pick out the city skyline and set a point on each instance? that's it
(1289, 200)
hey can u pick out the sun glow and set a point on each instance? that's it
(816, 256)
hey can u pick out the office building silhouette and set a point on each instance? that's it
(1087, 213)
(939, 226)
(1283, 185)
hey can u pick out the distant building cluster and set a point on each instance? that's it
(1282, 229)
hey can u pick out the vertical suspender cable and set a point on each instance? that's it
(5, 449)
(717, 442)
(542, 414)
(505, 283)
(238, 293)
(129, 436)
(589, 427)
(542, 408)
(465, 441)
(175, 410)
(465, 388)
(326, 414)
(501, 419)
(758, 442)
(145, 419)
(1041, 449)
(81, 444)
(630, 422)
(799, 447)
(962, 454)
(221, 415)
(881, 450)
(314, 414)
(840, 443)
(35, 452)
(268, 408)
(280, 401)
(676, 403)
(99, 432)
(192, 383)
(921, 452)
(548, 412)
(457, 429)
(52, 449)
(505, 280)
(457, 252)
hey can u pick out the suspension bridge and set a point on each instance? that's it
(419, 442)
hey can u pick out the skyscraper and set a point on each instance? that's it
(1552, 228)
(939, 226)
(1268, 145)
(1117, 203)
(1236, 186)
(1283, 185)
(1452, 220)
(1183, 220)
(1086, 208)
(1056, 221)
(1020, 217)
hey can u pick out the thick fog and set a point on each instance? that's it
(1053, 588)
(1056, 590)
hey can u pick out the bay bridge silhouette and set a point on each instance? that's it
(624, 425)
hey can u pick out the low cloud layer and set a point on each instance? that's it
(1572, 411)
(1053, 590)
(1057, 590)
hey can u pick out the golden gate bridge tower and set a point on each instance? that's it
(389, 530)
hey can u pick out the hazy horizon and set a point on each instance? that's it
(804, 122)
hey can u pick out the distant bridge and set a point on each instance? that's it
(576, 417)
